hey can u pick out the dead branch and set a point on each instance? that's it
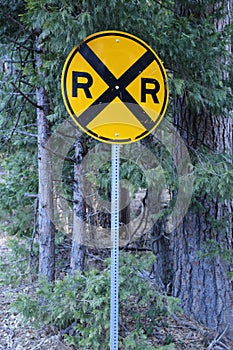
(26, 133)
(26, 97)
(16, 42)
(31, 195)
(134, 249)
(95, 257)
(34, 228)
(184, 324)
(221, 344)
(17, 120)
(19, 61)
(217, 339)
(12, 19)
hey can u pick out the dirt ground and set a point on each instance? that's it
(15, 335)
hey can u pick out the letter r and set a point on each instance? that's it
(145, 90)
(81, 85)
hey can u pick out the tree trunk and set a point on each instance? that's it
(161, 247)
(78, 251)
(202, 283)
(124, 214)
(45, 188)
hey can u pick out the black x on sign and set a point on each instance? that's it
(115, 87)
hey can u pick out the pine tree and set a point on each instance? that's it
(202, 281)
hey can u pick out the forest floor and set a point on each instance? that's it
(16, 335)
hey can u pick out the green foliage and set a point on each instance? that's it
(196, 49)
(64, 24)
(20, 179)
(17, 122)
(14, 268)
(8, 18)
(130, 174)
(214, 175)
(138, 340)
(212, 249)
(190, 47)
(192, 51)
(84, 299)
(140, 168)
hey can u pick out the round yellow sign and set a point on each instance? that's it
(115, 87)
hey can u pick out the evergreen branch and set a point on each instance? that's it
(26, 97)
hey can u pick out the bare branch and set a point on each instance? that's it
(12, 19)
(135, 249)
(17, 120)
(217, 339)
(21, 61)
(164, 6)
(26, 97)
(16, 42)
(26, 82)
(31, 195)
(36, 203)
(28, 125)
(26, 133)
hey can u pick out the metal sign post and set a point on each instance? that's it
(115, 180)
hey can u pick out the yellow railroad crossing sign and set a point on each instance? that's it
(115, 87)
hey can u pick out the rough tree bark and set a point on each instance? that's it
(45, 187)
(202, 283)
(78, 250)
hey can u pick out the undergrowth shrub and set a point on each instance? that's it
(84, 301)
(15, 267)
(20, 261)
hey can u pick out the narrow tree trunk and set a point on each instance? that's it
(161, 247)
(202, 283)
(78, 251)
(45, 188)
(124, 214)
